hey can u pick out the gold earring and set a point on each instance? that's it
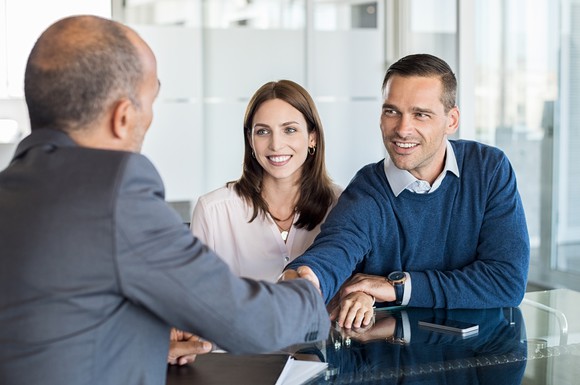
(311, 150)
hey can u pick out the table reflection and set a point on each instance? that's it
(396, 350)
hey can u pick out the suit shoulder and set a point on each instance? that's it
(139, 163)
(134, 172)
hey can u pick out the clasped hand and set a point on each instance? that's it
(353, 305)
(354, 310)
(381, 329)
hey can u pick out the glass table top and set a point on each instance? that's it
(535, 343)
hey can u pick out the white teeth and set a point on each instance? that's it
(279, 159)
(405, 145)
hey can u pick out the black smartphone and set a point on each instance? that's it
(449, 326)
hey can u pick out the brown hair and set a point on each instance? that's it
(316, 192)
(426, 65)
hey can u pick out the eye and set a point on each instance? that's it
(290, 130)
(422, 115)
(389, 112)
(261, 132)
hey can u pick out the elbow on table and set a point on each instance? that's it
(515, 294)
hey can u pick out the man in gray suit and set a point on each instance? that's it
(94, 266)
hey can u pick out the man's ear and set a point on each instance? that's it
(123, 119)
(453, 121)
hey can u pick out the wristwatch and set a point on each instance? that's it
(397, 280)
(397, 338)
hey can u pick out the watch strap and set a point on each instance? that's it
(397, 280)
(398, 337)
(399, 291)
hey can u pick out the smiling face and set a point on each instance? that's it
(280, 140)
(415, 125)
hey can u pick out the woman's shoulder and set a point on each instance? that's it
(336, 190)
(221, 195)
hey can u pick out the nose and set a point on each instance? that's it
(276, 141)
(404, 126)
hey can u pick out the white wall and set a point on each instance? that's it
(21, 22)
(208, 75)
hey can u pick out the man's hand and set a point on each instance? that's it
(380, 330)
(353, 304)
(355, 310)
(184, 347)
(374, 285)
(302, 272)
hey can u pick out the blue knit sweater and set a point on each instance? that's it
(465, 245)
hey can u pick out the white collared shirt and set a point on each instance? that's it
(400, 180)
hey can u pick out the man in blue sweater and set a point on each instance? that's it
(438, 223)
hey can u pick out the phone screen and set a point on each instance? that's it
(449, 325)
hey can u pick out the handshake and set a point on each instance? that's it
(352, 308)
(353, 305)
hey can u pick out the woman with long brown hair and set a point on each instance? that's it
(269, 216)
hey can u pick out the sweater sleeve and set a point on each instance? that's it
(498, 274)
(345, 237)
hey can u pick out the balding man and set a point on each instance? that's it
(94, 266)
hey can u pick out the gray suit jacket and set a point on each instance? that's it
(95, 268)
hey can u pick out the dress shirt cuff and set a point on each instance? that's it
(407, 290)
(406, 326)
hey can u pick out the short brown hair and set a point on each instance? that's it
(426, 65)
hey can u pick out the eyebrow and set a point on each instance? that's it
(283, 124)
(290, 122)
(423, 110)
(413, 109)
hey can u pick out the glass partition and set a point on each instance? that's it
(527, 87)
(517, 84)
(568, 141)
(213, 55)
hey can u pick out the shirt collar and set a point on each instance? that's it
(399, 179)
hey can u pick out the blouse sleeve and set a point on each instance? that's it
(199, 224)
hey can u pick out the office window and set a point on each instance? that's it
(568, 141)
(527, 90)
(429, 26)
(213, 55)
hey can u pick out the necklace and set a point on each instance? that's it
(283, 232)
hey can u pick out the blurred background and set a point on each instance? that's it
(517, 62)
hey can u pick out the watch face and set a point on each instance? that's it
(396, 276)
